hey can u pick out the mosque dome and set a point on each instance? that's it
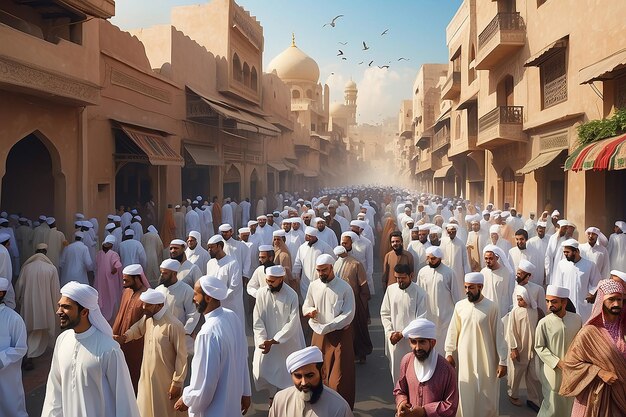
(350, 86)
(294, 65)
(337, 109)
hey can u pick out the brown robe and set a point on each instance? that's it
(591, 351)
(282, 257)
(168, 227)
(130, 312)
(216, 212)
(390, 261)
(385, 244)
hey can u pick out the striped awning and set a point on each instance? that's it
(607, 154)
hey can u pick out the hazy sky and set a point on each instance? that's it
(416, 31)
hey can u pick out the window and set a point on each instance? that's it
(295, 94)
(457, 127)
(620, 93)
(254, 80)
(554, 80)
(471, 71)
(246, 74)
(237, 68)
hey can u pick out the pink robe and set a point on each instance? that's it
(109, 285)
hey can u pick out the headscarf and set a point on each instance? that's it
(523, 292)
(87, 297)
(502, 258)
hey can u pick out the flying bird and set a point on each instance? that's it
(383, 66)
(403, 59)
(343, 43)
(344, 58)
(384, 32)
(370, 64)
(340, 52)
(360, 62)
(365, 47)
(332, 22)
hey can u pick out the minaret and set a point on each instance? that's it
(350, 97)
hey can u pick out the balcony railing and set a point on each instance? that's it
(502, 21)
(441, 138)
(506, 115)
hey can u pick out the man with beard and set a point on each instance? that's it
(164, 363)
(499, 278)
(403, 302)
(540, 243)
(362, 250)
(523, 277)
(220, 383)
(617, 246)
(476, 336)
(236, 249)
(131, 250)
(418, 245)
(308, 397)
(438, 282)
(131, 310)
(304, 261)
(13, 349)
(476, 241)
(324, 233)
(427, 384)
(521, 250)
(195, 253)
(396, 256)
(329, 306)
(595, 252)
(455, 254)
(263, 230)
(277, 332)
(88, 376)
(266, 259)
(553, 337)
(434, 235)
(579, 275)
(187, 271)
(554, 252)
(596, 360)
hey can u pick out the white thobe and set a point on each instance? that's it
(219, 369)
(580, 278)
(343, 222)
(363, 251)
(40, 235)
(265, 234)
(477, 241)
(532, 255)
(127, 217)
(476, 334)
(188, 273)
(132, 252)
(289, 402)
(257, 281)
(179, 299)
(498, 287)
(75, 263)
(398, 309)
(327, 235)
(554, 253)
(418, 250)
(344, 211)
(199, 257)
(541, 245)
(89, 241)
(153, 246)
(617, 251)
(229, 271)
(455, 256)
(245, 212)
(531, 227)
(304, 265)
(192, 222)
(253, 249)
(238, 250)
(12, 350)
(334, 302)
(6, 271)
(88, 377)
(136, 227)
(227, 215)
(56, 242)
(439, 285)
(535, 292)
(599, 255)
(276, 316)
(293, 240)
(117, 233)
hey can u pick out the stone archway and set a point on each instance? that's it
(254, 185)
(232, 183)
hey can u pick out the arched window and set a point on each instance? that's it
(295, 94)
(237, 68)
(254, 79)
(246, 74)
(457, 127)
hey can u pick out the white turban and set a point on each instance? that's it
(571, 243)
(109, 226)
(452, 226)
(420, 328)
(87, 297)
(133, 269)
(474, 278)
(303, 357)
(225, 227)
(542, 224)
(434, 251)
(324, 259)
(50, 220)
(178, 242)
(311, 231)
(129, 232)
(196, 235)
(266, 248)
(252, 222)
(275, 271)
(243, 230)
(526, 266)
(523, 292)
(213, 287)
(338, 250)
(621, 225)
(4, 284)
(355, 223)
(216, 239)
(593, 230)
(79, 234)
(79, 216)
(279, 232)
(555, 213)
(619, 274)
(494, 229)
(170, 264)
(110, 239)
(153, 229)
(262, 217)
(351, 235)
(554, 291)
(151, 296)
(424, 227)
(435, 230)
(503, 259)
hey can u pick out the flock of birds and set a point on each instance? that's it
(365, 47)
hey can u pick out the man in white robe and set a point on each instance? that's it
(595, 252)
(13, 247)
(192, 222)
(245, 211)
(362, 249)
(264, 261)
(220, 382)
(253, 250)
(309, 397)
(579, 275)
(12, 349)
(75, 263)
(499, 278)
(131, 251)
(56, 241)
(523, 277)
(179, 221)
(136, 227)
(187, 271)
(264, 231)
(438, 282)
(235, 248)
(94, 379)
(521, 250)
(617, 246)
(403, 302)
(40, 233)
(227, 213)
(530, 225)
(417, 247)
(455, 254)
(24, 236)
(277, 331)
(6, 269)
(554, 252)
(195, 253)
(540, 244)
(476, 337)
(293, 239)
(308, 252)
(553, 336)
(325, 234)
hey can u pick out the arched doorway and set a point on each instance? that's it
(254, 185)
(508, 189)
(28, 184)
(232, 183)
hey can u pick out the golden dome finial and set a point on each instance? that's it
(293, 39)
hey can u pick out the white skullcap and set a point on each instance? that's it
(593, 230)
(434, 251)
(317, 219)
(133, 269)
(110, 239)
(474, 278)
(570, 242)
(338, 250)
(555, 213)
(351, 235)
(199, 198)
(178, 242)
(266, 248)
(134, 211)
(79, 216)
(505, 214)
(43, 218)
(275, 271)
(424, 227)
(170, 264)
(138, 218)
(523, 292)
(177, 206)
(262, 217)
(354, 223)
(109, 226)
(117, 219)
(324, 259)
(435, 229)
(326, 214)
(311, 231)
(41, 246)
(252, 222)
(129, 232)
(50, 220)
(469, 218)
(3, 220)
(225, 227)
(494, 229)
(4, 237)
(87, 223)
(216, 239)
(542, 224)
(279, 232)
(361, 223)
(79, 234)
(153, 229)
(620, 274)
(563, 222)
(555, 291)
(452, 226)
(4, 284)
(485, 212)
(151, 296)
(87, 297)
(213, 287)
(303, 357)
(526, 266)
(420, 328)
(243, 230)
(621, 225)
(196, 235)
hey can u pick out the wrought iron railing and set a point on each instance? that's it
(502, 115)
(502, 21)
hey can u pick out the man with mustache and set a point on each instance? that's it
(308, 397)
(427, 384)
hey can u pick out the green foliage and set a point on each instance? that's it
(601, 129)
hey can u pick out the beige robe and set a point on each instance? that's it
(164, 363)
(288, 403)
(521, 327)
(56, 243)
(154, 256)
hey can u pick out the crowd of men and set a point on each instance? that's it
(154, 320)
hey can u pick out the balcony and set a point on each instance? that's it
(424, 161)
(503, 36)
(501, 126)
(103, 9)
(441, 138)
(452, 87)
